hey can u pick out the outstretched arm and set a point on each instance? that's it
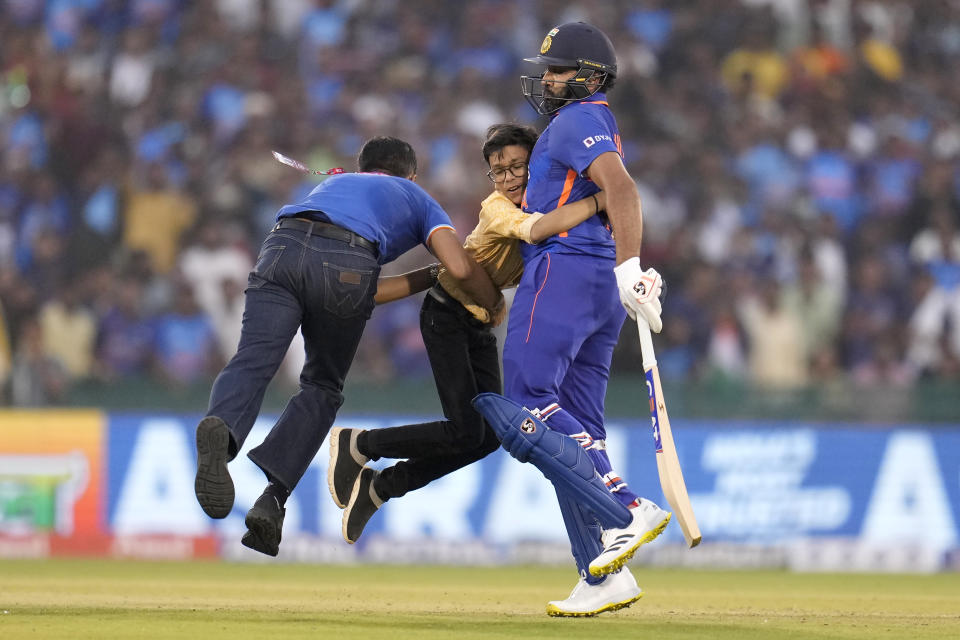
(390, 288)
(566, 217)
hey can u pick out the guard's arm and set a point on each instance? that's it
(445, 245)
(390, 288)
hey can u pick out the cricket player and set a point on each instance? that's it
(569, 306)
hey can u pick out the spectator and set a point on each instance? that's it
(185, 345)
(816, 305)
(37, 380)
(125, 337)
(156, 215)
(68, 331)
(936, 250)
(776, 359)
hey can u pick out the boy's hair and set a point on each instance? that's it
(388, 155)
(507, 134)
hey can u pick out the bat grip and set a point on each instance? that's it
(646, 344)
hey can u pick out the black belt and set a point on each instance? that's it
(327, 230)
(438, 293)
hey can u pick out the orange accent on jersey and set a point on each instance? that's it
(616, 141)
(437, 228)
(565, 195)
(534, 307)
(567, 188)
(603, 102)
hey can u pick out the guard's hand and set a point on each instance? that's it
(640, 292)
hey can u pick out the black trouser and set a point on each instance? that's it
(463, 356)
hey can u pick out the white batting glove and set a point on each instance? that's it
(640, 292)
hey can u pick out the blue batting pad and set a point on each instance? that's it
(584, 531)
(559, 457)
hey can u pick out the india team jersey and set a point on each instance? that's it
(576, 135)
(394, 212)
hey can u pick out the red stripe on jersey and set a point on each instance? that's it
(534, 307)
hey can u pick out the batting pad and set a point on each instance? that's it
(559, 457)
(584, 532)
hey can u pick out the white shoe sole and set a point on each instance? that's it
(334, 452)
(555, 611)
(628, 552)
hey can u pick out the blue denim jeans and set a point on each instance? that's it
(324, 287)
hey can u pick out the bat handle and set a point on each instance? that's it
(646, 344)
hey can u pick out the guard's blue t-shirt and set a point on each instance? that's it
(577, 134)
(393, 212)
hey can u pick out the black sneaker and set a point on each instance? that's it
(265, 524)
(363, 503)
(345, 464)
(213, 485)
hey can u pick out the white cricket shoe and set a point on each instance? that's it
(619, 545)
(617, 591)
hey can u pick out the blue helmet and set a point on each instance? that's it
(575, 45)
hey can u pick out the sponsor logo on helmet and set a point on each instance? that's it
(588, 63)
(528, 426)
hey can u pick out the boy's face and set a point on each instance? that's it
(508, 171)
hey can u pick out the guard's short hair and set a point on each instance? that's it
(508, 134)
(388, 155)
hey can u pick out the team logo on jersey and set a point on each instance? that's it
(528, 426)
(589, 142)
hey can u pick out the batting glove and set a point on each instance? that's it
(640, 292)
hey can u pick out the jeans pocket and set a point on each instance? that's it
(348, 292)
(266, 265)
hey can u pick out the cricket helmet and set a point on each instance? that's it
(575, 45)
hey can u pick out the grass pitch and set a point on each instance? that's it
(212, 600)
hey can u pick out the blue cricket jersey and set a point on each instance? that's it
(577, 134)
(393, 212)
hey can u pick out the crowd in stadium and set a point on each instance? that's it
(797, 162)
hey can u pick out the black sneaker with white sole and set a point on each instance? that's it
(346, 461)
(213, 485)
(265, 525)
(363, 503)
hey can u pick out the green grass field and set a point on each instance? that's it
(211, 600)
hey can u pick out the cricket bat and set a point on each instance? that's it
(668, 465)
